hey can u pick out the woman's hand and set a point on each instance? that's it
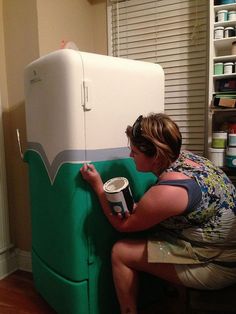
(90, 174)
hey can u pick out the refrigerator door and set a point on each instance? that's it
(117, 91)
(56, 147)
(54, 112)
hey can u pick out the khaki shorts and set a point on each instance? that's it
(192, 264)
(206, 276)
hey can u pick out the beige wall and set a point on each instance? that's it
(99, 18)
(82, 22)
(32, 28)
(3, 81)
(21, 47)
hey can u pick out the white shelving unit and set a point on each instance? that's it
(220, 50)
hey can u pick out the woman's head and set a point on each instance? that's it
(156, 136)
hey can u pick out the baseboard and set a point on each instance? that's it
(14, 259)
(8, 263)
(24, 260)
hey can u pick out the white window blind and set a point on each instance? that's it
(172, 33)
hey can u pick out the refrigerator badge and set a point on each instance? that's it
(36, 78)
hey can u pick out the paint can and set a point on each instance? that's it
(219, 139)
(222, 15)
(218, 68)
(119, 195)
(229, 32)
(232, 15)
(232, 139)
(219, 32)
(228, 68)
(217, 156)
(231, 157)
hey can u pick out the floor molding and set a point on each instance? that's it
(14, 259)
(8, 263)
(24, 260)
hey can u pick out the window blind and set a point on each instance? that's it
(172, 33)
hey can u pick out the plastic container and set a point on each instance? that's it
(219, 32)
(219, 139)
(229, 32)
(222, 16)
(228, 67)
(232, 16)
(218, 68)
(217, 156)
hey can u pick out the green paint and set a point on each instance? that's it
(71, 238)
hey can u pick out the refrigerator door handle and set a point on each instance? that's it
(87, 101)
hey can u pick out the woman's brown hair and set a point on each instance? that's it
(156, 135)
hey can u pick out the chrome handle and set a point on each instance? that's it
(19, 143)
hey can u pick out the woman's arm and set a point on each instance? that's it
(90, 174)
(156, 205)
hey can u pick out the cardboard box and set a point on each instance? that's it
(227, 102)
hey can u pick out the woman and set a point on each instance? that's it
(190, 213)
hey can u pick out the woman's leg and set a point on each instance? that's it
(128, 258)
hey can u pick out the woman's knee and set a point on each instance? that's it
(118, 251)
(129, 252)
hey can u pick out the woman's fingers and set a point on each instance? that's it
(90, 167)
(87, 168)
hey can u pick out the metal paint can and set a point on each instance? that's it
(217, 156)
(231, 157)
(232, 15)
(222, 16)
(229, 32)
(218, 68)
(219, 32)
(232, 139)
(119, 195)
(228, 67)
(219, 139)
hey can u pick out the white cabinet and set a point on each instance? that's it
(222, 86)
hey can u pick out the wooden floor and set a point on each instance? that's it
(18, 296)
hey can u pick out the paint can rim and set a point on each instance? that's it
(110, 188)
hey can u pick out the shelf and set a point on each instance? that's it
(220, 51)
(216, 109)
(224, 42)
(225, 58)
(224, 76)
(230, 7)
(225, 23)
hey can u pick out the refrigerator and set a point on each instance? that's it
(78, 105)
